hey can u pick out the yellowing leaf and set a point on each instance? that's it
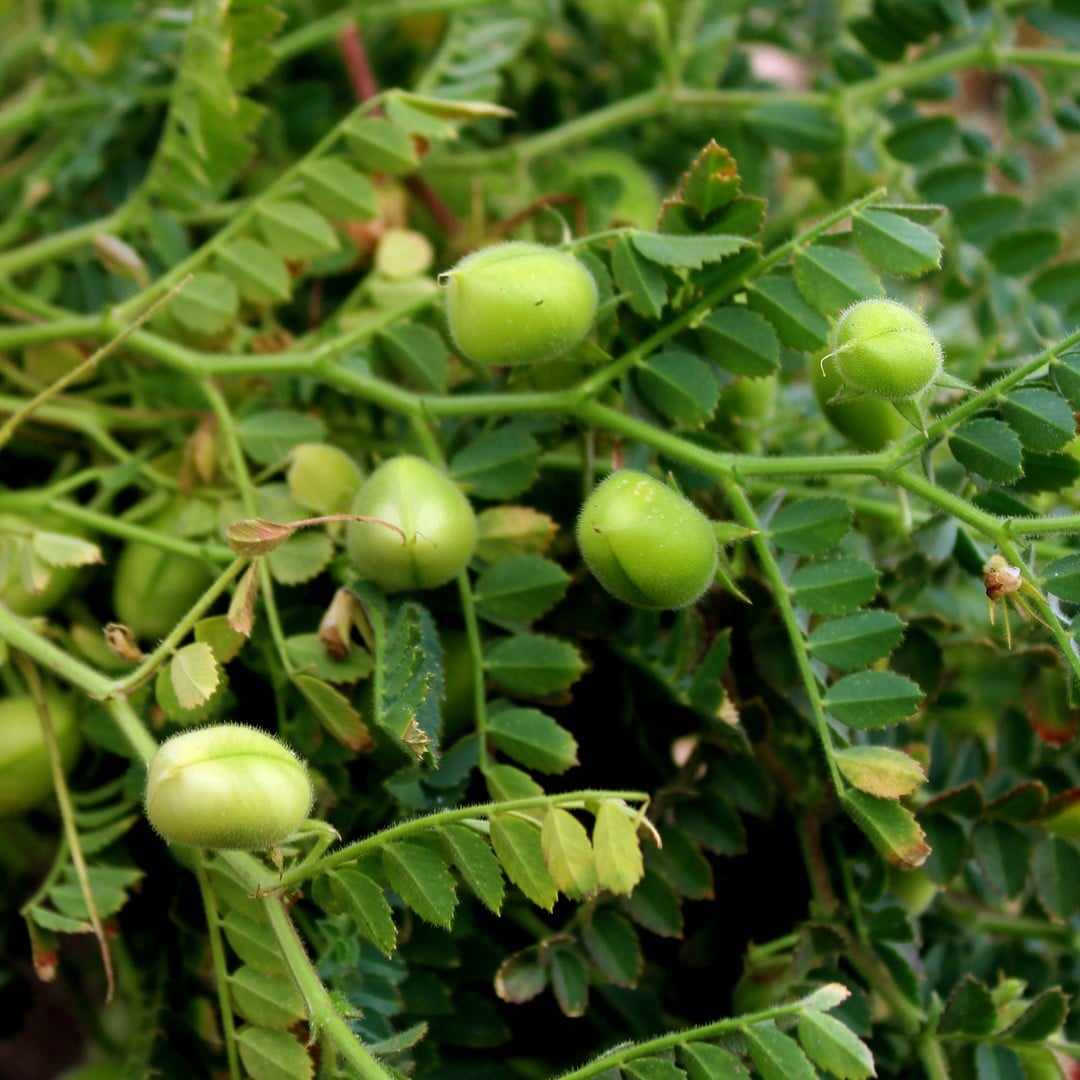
(242, 605)
(880, 771)
(194, 674)
(568, 854)
(57, 549)
(619, 865)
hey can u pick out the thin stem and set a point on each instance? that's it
(51, 248)
(221, 971)
(744, 512)
(476, 656)
(437, 820)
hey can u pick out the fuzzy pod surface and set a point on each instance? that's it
(885, 349)
(226, 786)
(518, 303)
(26, 777)
(646, 544)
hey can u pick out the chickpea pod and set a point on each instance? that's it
(226, 786)
(645, 543)
(518, 303)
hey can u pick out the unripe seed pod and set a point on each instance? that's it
(645, 543)
(429, 508)
(226, 786)
(518, 303)
(869, 423)
(323, 478)
(25, 773)
(885, 349)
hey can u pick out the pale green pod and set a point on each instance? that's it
(885, 349)
(227, 786)
(26, 777)
(645, 543)
(518, 303)
(437, 526)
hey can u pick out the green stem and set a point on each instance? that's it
(744, 512)
(221, 971)
(132, 728)
(610, 1062)
(476, 655)
(437, 820)
(58, 245)
(323, 1017)
(151, 662)
(933, 1058)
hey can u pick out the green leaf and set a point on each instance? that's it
(381, 146)
(569, 980)
(613, 946)
(775, 1055)
(834, 1047)
(832, 279)
(268, 436)
(1043, 420)
(309, 656)
(1041, 1019)
(533, 664)
(711, 182)
(253, 942)
(1055, 870)
(993, 1062)
(982, 218)
(270, 1001)
(365, 902)
(969, 1010)
(641, 280)
(679, 386)
(419, 355)
(519, 589)
(517, 845)
(798, 127)
(834, 586)
(872, 699)
(1023, 251)
(472, 857)
(740, 341)
(273, 1055)
(207, 304)
(1058, 285)
(568, 854)
(260, 275)
(812, 525)
(497, 465)
(923, 139)
(619, 865)
(1062, 578)
(410, 656)
(422, 879)
(990, 448)
(896, 245)
(521, 977)
(686, 252)
(652, 1068)
(681, 862)
(336, 189)
(879, 770)
(533, 739)
(302, 557)
(891, 828)
(703, 1061)
(335, 712)
(654, 905)
(1002, 851)
(779, 300)
(194, 674)
(856, 640)
(295, 231)
(509, 782)
(223, 640)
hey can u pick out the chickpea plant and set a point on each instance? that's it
(499, 508)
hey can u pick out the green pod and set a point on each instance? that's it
(226, 786)
(882, 348)
(154, 589)
(645, 543)
(438, 524)
(518, 303)
(870, 423)
(25, 774)
(13, 593)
